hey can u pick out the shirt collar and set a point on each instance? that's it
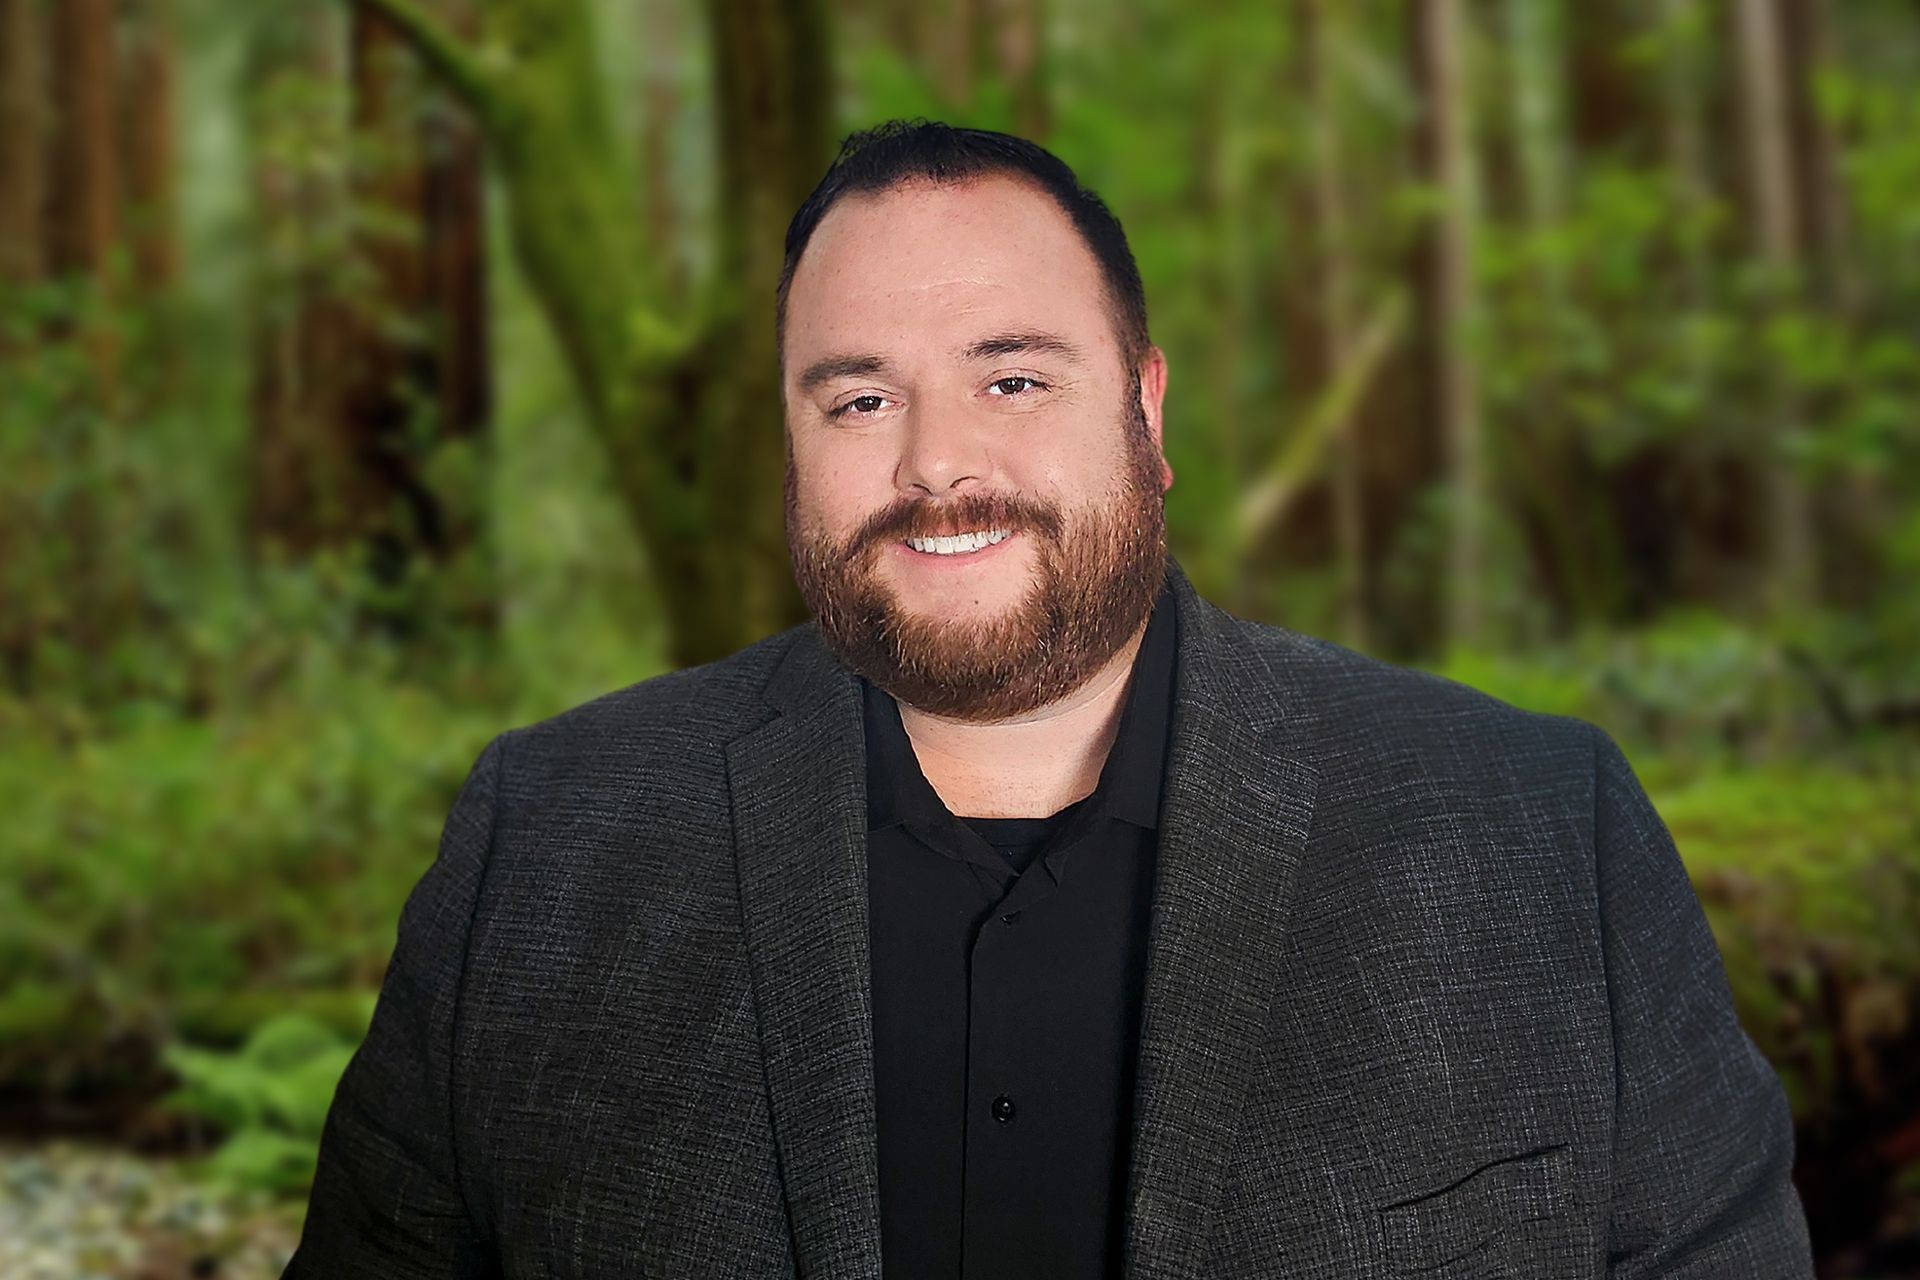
(1130, 781)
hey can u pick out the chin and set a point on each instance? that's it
(995, 591)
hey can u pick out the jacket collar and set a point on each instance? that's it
(1236, 808)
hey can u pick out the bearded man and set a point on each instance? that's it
(1023, 913)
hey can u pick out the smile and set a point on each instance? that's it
(960, 544)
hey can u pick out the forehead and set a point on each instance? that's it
(941, 262)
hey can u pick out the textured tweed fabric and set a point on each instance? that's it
(1428, 993)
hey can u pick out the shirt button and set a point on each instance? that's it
(1003, 1108)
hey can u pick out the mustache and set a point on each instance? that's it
(922, 519)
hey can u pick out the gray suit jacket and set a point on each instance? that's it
(1428, 992)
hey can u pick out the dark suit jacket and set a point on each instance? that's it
(1428, 992)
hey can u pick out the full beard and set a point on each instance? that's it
(1096, 578)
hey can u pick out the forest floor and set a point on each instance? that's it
(75, 1212)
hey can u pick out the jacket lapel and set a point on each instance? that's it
(1234, 820)
(799, 790)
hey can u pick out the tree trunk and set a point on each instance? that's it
(1548, 467)
(1440, 48)
(1608, 95)
(774, 125)
(1819, 195)
(302, 485)
(947, 55)
(1695, 468)
(1334, 278)
(1775, 231)
(83, 206)
(1217, 202)
(390, 366)
(419, 337)
(149, 161)
(663, 109)
(1852, 514)
(1009, 43)
(149, 130)
(83, 214)
(23, 143)
(81, 233)
(687, 406)
(23, 157)
(1683, 136)
(454, 226)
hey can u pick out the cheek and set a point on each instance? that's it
(837, 490)
(1072, 474)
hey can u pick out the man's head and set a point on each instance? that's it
(964, 348)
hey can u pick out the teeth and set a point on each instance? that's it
(959, 544)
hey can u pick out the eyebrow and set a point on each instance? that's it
(1018, 341)
(1010, 342)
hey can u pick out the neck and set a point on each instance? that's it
(1033, 765)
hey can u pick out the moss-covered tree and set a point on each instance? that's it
(684, 399)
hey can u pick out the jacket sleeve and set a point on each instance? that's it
(386, 1198)
(1703, 1138)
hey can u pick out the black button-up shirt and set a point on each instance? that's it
(1008, 956)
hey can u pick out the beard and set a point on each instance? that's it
(1097, 573)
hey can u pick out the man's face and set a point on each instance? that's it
(951, 367)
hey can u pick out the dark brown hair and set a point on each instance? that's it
(901, 151)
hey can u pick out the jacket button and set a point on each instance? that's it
(1010, 917)
(1003, 1108)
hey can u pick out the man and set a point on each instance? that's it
(1024, 914)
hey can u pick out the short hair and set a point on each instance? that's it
(897, 152)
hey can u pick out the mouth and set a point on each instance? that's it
(966, 548)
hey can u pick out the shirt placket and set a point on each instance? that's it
(1005, 1118)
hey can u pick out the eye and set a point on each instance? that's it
(1016, 378)
(868, 404)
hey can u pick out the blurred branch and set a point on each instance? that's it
(449, 56)
(1300, 454)
(1832, 701)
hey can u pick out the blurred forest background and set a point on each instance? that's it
(379, 374)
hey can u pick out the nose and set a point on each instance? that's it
(941, 451)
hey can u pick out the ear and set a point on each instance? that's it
(1153, 391)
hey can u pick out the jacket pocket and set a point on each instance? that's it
(1477, 1212)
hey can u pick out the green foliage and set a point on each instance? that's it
(1811, 879)
(1834, 855)
(155, 877)
(90, 514)
(1879, 116)
(1713, 689)
(271, 1098)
